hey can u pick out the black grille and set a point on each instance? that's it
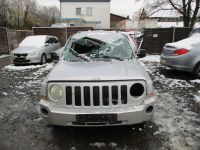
(105, 95)
(78, 96)
(20, 58)
(87, 96)
(69, 95)
(83, 97)
(124, 94)
(20, 55)
(96, 98)
(115, 95)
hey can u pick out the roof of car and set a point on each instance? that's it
(106, 36)
(38, 35)
(84, 0)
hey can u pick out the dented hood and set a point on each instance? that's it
(89, 71)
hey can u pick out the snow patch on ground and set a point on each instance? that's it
(161, 78)
(4, 93)
(103, 144)
(172, 123)
(178, 83)
(3, 56)
(98, 144)
(173, 117)
(195, 81)
(150, 58)
(12, 67)
(44, 67)
(41, 70)
(197, 98)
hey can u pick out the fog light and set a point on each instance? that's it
(149, 109)
(44, 111)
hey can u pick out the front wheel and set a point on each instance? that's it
(197, 71)
(43, 59)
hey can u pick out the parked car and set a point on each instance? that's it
(35, 49)
(184, 55)
(99, 82)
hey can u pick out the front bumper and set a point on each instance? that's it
(30, 60)
(125, 115)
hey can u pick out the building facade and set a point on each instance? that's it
(161, 19)
(92, 13)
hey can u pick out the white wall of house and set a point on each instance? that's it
(100, 12)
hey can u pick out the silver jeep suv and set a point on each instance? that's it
(98, 82)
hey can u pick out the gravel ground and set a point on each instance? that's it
(175, 125)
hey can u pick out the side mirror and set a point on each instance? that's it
(141, 53)
(54, 57)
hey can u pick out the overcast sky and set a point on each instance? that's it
(119, 7)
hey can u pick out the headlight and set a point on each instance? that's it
(56, 92)
(33, 54)
(137, 90)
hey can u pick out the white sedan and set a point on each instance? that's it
(35, 49)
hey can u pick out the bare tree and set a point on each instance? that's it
(24, 14)
(189, 9)
(3, 12)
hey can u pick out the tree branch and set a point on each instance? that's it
(175, 7)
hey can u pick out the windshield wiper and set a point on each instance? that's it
(77, 54)
(112, 57)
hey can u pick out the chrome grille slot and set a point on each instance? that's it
(96, 94)
(105, 95)
(87, 96)
(69, 95)
(77, 91)
(124, 95)
(114, 95)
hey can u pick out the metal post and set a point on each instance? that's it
(8, 39)
(174, 30)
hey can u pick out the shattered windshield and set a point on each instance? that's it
(98, 47)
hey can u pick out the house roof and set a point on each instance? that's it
(118, 16)
(166, 14)
(84, 0)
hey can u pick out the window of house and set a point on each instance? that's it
(78, 11)
(72, 25)
(89, 11)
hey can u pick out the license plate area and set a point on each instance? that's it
(96, 118)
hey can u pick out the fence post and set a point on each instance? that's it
(8, 40)
(174, 30)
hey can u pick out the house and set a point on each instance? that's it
(161, 19)
(168, 18)
(115, 19)
(91, 13)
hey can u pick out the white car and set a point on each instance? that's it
(35, 49)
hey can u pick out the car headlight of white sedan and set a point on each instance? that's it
(56, 92)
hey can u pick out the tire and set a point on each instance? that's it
(43, 59)
(197, 71)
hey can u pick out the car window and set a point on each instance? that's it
(55, 40)
(98, 49)
(49, 41)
